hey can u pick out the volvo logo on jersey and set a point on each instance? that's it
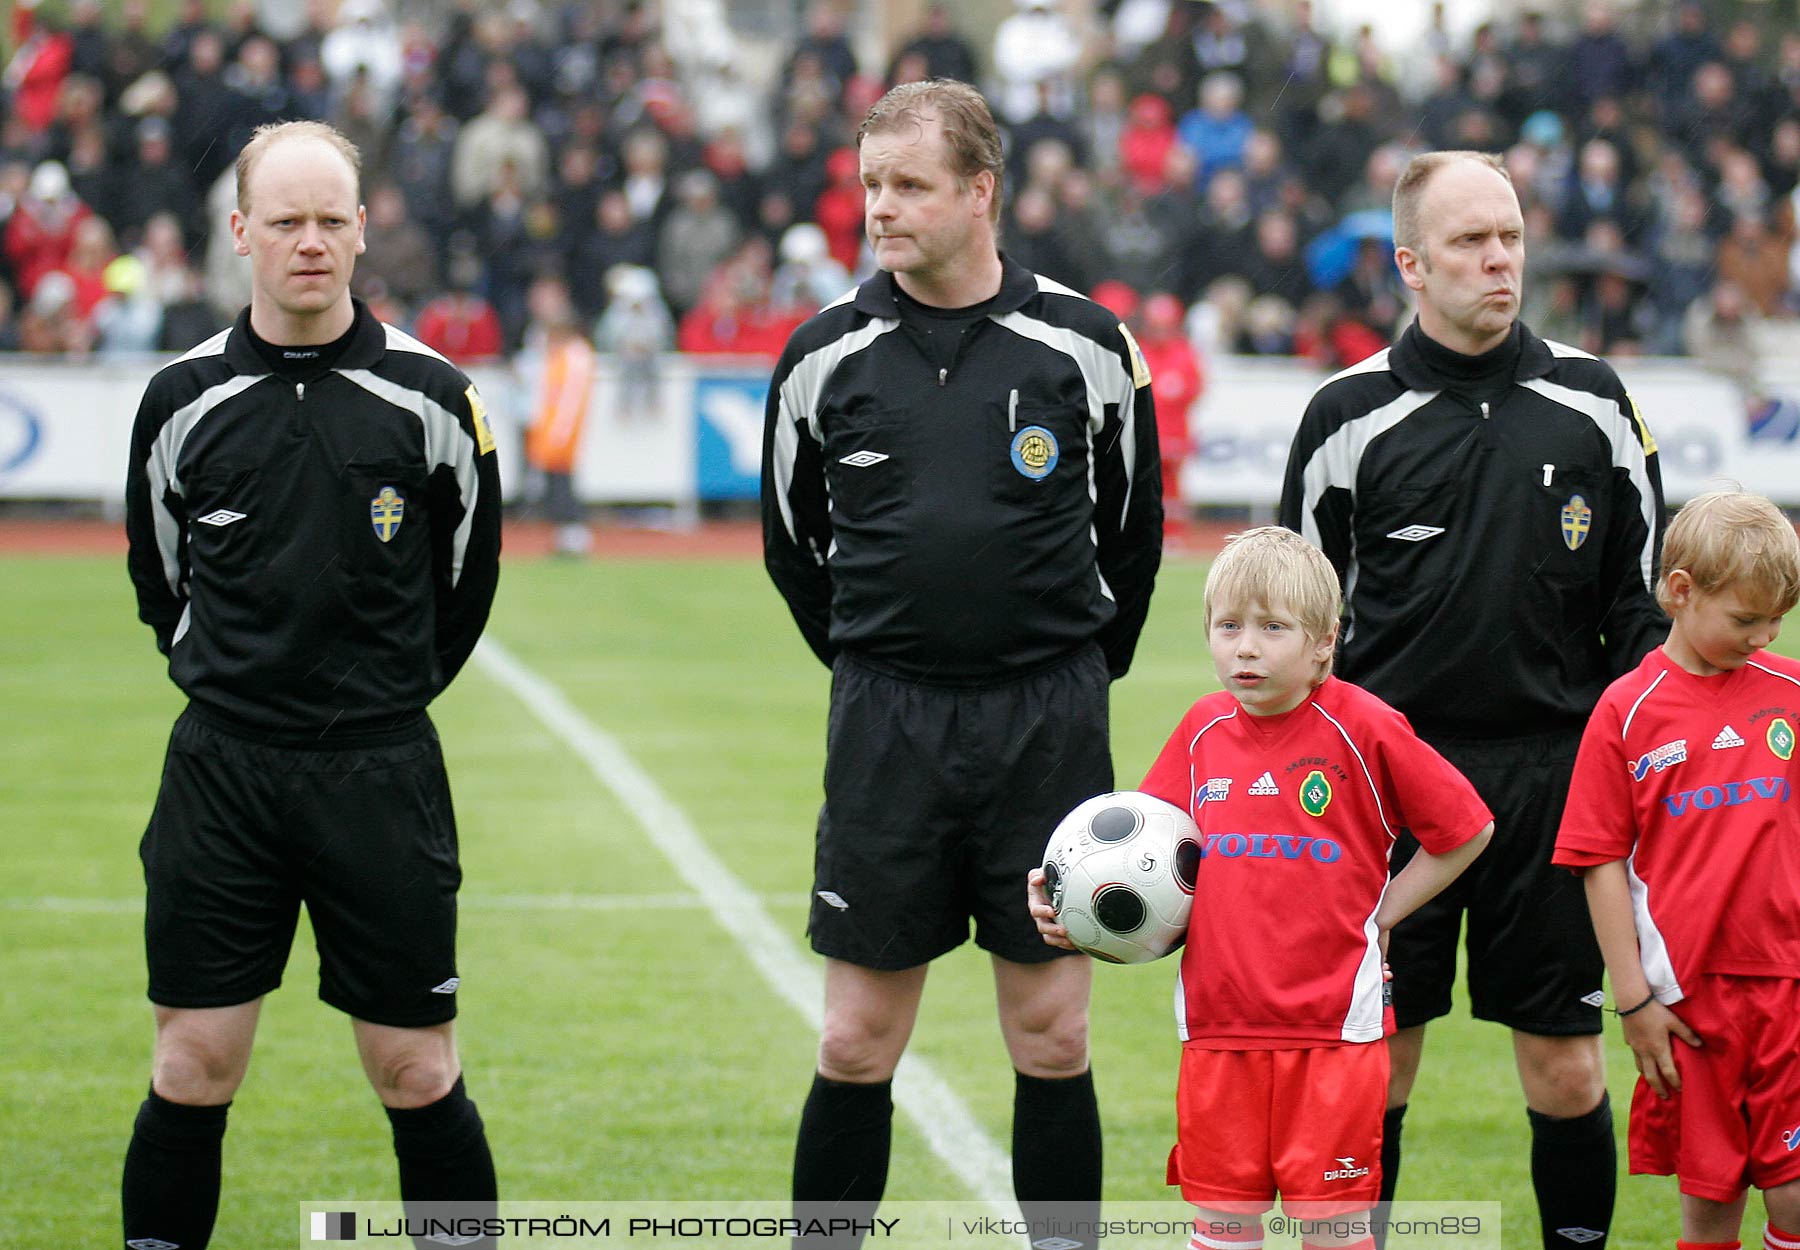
(386, 511)
(1731, 794)
(1271, 846)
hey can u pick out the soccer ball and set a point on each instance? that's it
(1119, 871)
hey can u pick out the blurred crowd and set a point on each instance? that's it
(1223, 166)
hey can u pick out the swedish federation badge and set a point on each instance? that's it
(1577, 520)
(386, 511)
(1034, 452)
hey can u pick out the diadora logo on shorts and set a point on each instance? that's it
(1216, 789)
(1596, 999)
(447, 987)
(863, 459)
(1270, 846)
(220, 517)
(1728, 738)
(1580, 1236)
(1416, 533)
(1346, 1169)
(1662, 757)
(831, 898)
(1791, 1137)
(1731, 794)
(1264, 785)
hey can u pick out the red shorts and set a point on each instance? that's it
(1302, 1123)
(1735, 1122)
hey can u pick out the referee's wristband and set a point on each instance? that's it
(1632, 1011)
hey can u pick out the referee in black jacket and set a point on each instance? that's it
(314, 519)
(961, 505)
(1493, 504)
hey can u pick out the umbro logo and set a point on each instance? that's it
(1417, 533)
(1728, 738)
(831, 898)
(152, 1243)
(1264, 784)
(1596, 999)
(448, 987)
(863, 459)
(1580, 1236)
(1056, 1243)
(222, 516)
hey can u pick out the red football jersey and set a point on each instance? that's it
(1297, 814)
(1690, 781)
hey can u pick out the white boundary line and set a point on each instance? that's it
(464, 902)
(934, 1108)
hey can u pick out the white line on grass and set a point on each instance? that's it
(467, 902)
(934, 1108)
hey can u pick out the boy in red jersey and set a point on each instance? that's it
(1299, 783)
(1680, 821)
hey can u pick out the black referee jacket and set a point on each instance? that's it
(967, 526)
(316, 556)
(1498, 557)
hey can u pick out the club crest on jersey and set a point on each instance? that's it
(386, 511)
(1034, 452)
(1781, 738)
(1315, 794)
(1662, 757)
(1577, 520)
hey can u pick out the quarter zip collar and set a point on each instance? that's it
(1424, 364)
(879, 296)
(368, 342)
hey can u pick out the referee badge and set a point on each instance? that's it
(386, 511)
(1034, 452)
(1577, 520)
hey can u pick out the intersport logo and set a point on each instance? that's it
(1731, 794)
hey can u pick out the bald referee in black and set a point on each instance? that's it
(1493, 503)
(314, 519)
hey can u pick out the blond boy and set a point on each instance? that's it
(1299, 783)
(1680, 820)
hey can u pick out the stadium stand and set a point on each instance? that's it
(1235, 156)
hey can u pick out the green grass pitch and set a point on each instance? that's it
(620, 1044)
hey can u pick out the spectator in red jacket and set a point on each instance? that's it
(1177, 379)
(34, 76)
(1144, 146)
(839, 208)
(42, 229)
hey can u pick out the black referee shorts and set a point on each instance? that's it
(1533, 962)
(243, 834)
(938, 802)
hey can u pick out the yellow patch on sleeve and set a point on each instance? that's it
(484, 437)
(1643, 427)
(1140, 371)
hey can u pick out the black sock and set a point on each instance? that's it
(442, 1150)
(1574, 1168)
(841, 1156)
(1056, 1155)
(1391, 1122)
(170, 1189)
